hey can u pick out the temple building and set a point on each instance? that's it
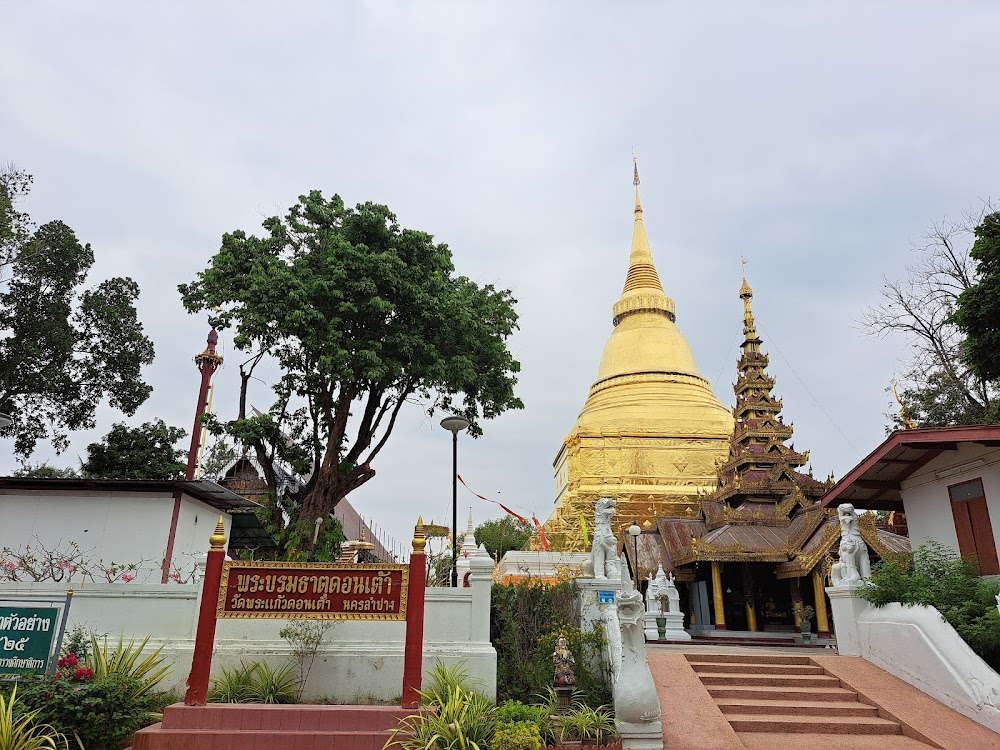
(761, 542)
(651, 432)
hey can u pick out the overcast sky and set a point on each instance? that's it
(816, 139)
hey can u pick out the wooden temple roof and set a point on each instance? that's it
(875, 483)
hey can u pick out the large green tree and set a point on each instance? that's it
(63, 346)
(977, 313)
(146, 452)
(938, 387)
(362, 316)
(501, 535)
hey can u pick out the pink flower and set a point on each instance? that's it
(76, 690)
(175, 576)
(10, 566)
(68, 661)
(126, 577)
(83, 674)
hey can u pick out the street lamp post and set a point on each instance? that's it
(454, 425)
(634, 532)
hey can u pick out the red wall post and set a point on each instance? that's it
(413, 654)
(204, 639)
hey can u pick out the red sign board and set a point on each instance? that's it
(314, 591)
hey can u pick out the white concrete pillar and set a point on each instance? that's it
(481, 582)
(846, 607)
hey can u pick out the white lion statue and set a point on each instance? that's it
(854, 565)
(603, 562)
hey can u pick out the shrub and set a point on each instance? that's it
(102, 712)
(305, 637)
(19, 731)
(462, 720)
(256, 682)
(936, 576)
(127, 660)
(525, 620)
(517, 735)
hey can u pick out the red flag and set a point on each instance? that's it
(541, 534)
(522, 519)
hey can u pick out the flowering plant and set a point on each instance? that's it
(664, 601)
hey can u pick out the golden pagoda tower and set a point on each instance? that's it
(651, 433)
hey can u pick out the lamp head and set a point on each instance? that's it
(454, 424)
(634, 530)
(5, 421)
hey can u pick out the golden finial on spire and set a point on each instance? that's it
(419, 542)
(749, 327)
(218, 539)
(635, 170)
(908, 424)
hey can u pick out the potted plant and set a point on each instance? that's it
(661, 621)
(806, 613)
(585, 726)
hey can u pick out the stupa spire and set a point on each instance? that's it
(749, 326)
(641, 271)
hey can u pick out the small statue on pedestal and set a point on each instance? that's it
(564, 680)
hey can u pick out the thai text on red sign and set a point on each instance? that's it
(321, 591)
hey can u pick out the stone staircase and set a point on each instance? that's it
(779, 695)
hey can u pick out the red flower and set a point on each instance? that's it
(83, 674)
(69, 660)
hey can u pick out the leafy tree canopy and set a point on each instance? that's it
(45, 471)
(938, 387)
(977, 313)
(145, 452)
(361, 316)
(63, 346)
(502, 535)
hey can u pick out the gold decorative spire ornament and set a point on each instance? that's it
(651, 429)
(218, 539)
(419, 542)
(908, 424)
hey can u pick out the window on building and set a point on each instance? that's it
(973, 526)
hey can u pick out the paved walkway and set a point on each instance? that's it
(693, 719)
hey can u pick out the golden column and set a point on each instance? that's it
(822, 621)
(720, 611)
(751, 617)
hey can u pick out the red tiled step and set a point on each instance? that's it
(749, 658)
(787, 693)
(781, 741)
(755, 669)
(795, 707)
(772, 680)
(284, 717)
(156, 738)
(812, 724)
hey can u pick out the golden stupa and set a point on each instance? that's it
(652, 432)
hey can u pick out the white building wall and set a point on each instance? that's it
(925, 493)
(111, 527)
(360, 661)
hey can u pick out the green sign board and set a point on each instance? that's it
(26, 635)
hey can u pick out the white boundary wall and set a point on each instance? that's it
(359, 661)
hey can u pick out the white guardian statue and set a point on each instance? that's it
(603, 562)
(854, 566)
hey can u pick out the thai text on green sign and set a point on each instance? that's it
(26, 635)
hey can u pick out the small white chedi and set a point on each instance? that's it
(663, 584)
(854, 566)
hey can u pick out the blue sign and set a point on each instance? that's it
(605, 597)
